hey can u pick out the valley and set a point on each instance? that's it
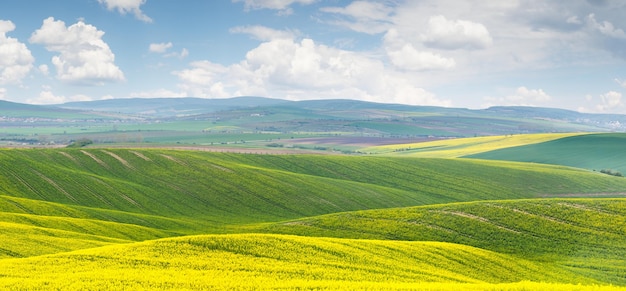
(325, 195)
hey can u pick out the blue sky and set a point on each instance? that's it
(474, 54)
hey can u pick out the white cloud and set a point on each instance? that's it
(44, 69)
(284, 68)
(573, 20)
(620, 82)
(409, 58)
(127, 6)
(3, 93)
(456, 34)
(47, 97)
(405, 56)
(281, 5)
(158, 93)
(523, 94)
(181, 55)
(16, 60)
(610, 101)
(363, 16)
(160, 47)
(522, 97)
(84, 58)
(605, 27)
(263, 33)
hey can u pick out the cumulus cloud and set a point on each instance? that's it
(297, 70)
(263, 33)
(158, 93)
(610, 101)
(160, 47)
(84, 58)
(405, 56)
(409, 58)
(16, 60)
(181, 55)
(281, 5)
(523, 94)
(620, 82)
(456, 34)
(47, 97)
(127, 6)
(522, 97)
(363, 16)
(3, 93)
(605, 27)
(44, 69)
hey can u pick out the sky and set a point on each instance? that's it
(453, 53)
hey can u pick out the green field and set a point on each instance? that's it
(459, 147)
(587, 151)
(129, 218)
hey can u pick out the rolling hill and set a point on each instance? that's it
(254, 261)
(120, 218)
(587, 236)
(588, 151)
(139, 210)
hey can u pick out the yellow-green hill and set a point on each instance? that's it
(282, 262)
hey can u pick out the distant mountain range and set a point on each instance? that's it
(395, 119)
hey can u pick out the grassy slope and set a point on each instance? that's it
(277, 261)
(60, 200)
(453, 148)
(585, 236)
(589, 151)
(137, 195)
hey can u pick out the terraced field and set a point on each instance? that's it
(133, 218)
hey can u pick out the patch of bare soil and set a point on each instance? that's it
(142, 156)
(69, 156)
(173, 159)
(120, 159)
(92, 156)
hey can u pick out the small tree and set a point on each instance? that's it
(79, 143)
(611, 172)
